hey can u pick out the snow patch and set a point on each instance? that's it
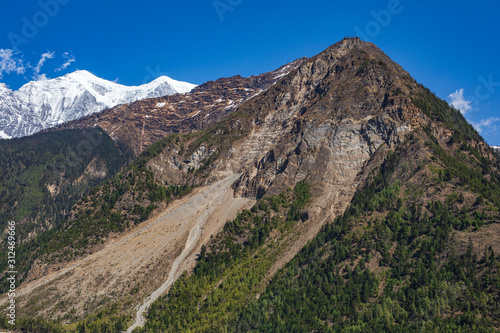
(4, 136)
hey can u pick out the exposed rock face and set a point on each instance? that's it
(329, 122)
(323, 122)
(141, 123)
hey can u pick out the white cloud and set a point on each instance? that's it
(458, 101)
(36, 70)
(486, 124)
(42, 77)
(12, 62)
(9, 63)
(69, 59)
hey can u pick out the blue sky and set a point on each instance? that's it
(452, 47)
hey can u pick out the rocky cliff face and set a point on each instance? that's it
(328, 120)
(322, 122)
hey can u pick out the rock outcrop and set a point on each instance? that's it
(322, 122)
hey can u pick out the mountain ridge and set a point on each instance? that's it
(39, 105)
(141, 123)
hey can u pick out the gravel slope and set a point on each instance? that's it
(138, 267)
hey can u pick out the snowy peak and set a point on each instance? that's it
(84, 77)
(82, 74)
(163, 86)
(174, 83)
(39, 105)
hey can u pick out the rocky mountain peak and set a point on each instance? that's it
(347, 43)
(322, 122)
(326, 119)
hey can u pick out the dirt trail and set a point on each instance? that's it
(132, 269)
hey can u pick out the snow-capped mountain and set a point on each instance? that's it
(42, 104)
(497, 148)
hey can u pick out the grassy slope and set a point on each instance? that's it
(30, 165)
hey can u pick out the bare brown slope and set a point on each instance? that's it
(135, 265)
